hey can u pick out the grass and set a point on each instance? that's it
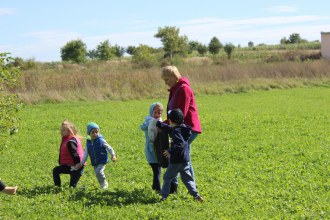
(262, 155)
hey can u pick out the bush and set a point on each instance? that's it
(143, 57)
(74, 51)
(24, 65)
(9, 103)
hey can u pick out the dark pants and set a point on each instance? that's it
(156, 169)
(2, 186)
(74, 175)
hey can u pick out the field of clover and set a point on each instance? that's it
(262, 155)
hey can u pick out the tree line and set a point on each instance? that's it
(173, 44)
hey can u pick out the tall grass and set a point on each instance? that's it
(120, 80)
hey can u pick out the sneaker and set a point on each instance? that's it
(162, 199)
(10, 190)
(199, 199)
(104, 186)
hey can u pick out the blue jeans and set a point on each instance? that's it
(190, 140)
(186, 177)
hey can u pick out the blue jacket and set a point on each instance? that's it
(179, 149)
(97, 151)
(149, 148)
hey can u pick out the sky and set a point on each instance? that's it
(38, 29)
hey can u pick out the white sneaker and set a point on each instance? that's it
(104, 186)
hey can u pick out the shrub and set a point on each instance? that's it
(229, 49)
(143, 57)
(215, 45)
(9, 103)
(74, 51)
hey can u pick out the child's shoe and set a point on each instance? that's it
(199, 199)
(162, 199)
(10, 190)
(104, 186)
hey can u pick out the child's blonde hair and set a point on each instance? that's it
(70, 126)
(160, 105)
(72, 129)
(170, 71)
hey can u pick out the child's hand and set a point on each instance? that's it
(167, 154)
(113, 158)
(78, 166)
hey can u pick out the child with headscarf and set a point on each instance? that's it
(150, 130)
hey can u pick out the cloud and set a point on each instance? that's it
(277, 20)
(125, 39)
(54, 36)
(265, 29)
(282, 9)
(6, 11)
(45, 45)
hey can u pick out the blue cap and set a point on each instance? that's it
(91, 126)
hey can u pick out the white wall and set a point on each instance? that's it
(325, 44)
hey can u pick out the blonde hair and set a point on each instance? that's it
(170, 71)
(70, 126)
(160, 105)
(72, 129)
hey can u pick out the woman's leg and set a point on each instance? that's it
(190, 140)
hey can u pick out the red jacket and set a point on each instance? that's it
(65, 156)
(181, 96)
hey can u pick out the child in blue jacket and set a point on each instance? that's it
(155, 113)
(97, 148)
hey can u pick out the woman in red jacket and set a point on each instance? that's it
(182, 96)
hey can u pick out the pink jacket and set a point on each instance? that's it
(181, 96)
(65, 156)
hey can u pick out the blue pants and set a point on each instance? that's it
(175, 182)
(186, 177)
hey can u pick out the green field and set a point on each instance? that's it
(262, 155)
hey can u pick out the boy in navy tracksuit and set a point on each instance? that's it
(97, 148)
(178, 155)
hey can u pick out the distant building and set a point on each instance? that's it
(325, 45)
